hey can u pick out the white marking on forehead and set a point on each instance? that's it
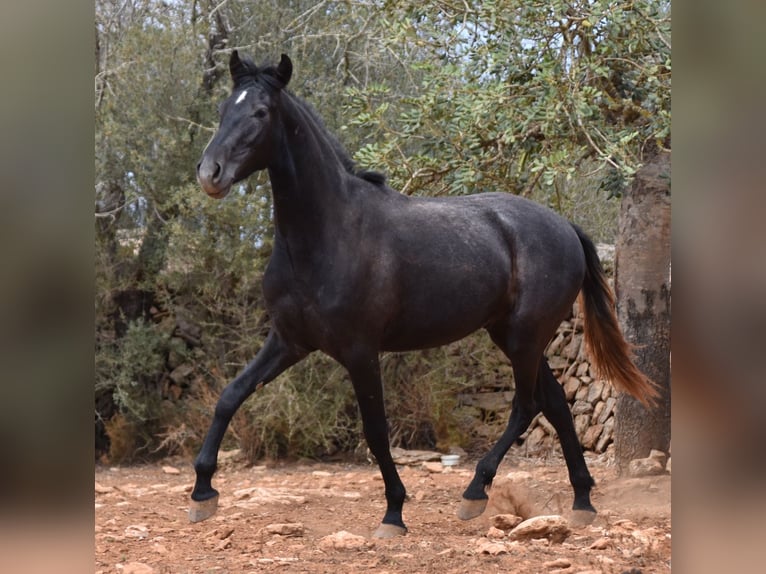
(241, 96)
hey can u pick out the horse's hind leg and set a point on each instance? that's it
(525, 408)
(273, 358)
(556, 410)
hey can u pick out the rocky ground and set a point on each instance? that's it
(318, 517)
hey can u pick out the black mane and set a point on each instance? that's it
(268, 74)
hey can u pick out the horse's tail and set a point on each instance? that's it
(611, 353)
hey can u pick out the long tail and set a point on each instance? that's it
(611, 353)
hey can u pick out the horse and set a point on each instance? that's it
(358, 268)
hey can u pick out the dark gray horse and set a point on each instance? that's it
(358, 268)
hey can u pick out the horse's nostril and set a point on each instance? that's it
(217, 172)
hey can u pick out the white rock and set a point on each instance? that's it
(553, 527)
(343, 541)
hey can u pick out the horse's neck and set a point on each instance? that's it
(308, 185)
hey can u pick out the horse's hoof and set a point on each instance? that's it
(469, 509)
(199, 511)
(389, 531)
(582, 517)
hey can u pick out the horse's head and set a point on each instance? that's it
(242, 144)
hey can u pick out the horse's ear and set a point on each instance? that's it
(284, 69)
(236, 67)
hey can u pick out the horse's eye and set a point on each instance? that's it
(260, 113)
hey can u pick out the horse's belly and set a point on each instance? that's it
(439, 315)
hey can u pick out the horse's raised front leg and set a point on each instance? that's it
(273, 358)
(364, 369)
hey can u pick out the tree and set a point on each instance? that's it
(642, 284)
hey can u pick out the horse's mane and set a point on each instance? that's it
(268, 75)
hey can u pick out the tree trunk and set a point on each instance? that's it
(642, 286)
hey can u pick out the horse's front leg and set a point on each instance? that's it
(274, 357)
(364, 369)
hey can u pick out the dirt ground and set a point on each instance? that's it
(281, 518)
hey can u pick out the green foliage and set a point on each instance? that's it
(133, 363)
(513, 94)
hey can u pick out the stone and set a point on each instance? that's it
(557, 363)
(572, 349)
(667, 466)
(343, 540)
(485, 546)
(609, 405)
(100, 489)
(582, 369)
(597, 408)
(644, 467)
(582, 422)
(591, 436)
(402, 456)
(495, 533)
(433, 467)
(137, 531)
(571, 386)
(534, 440)
(506, 522)
(659, 456)
(137, 568)
(547, 426)
(582, 393)
(284, 529)
(170, 470)
(594, 391)
(582, 407)
(606, 435)
(557, 563)
(555, 345)
(553, 527)
(601, 544)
